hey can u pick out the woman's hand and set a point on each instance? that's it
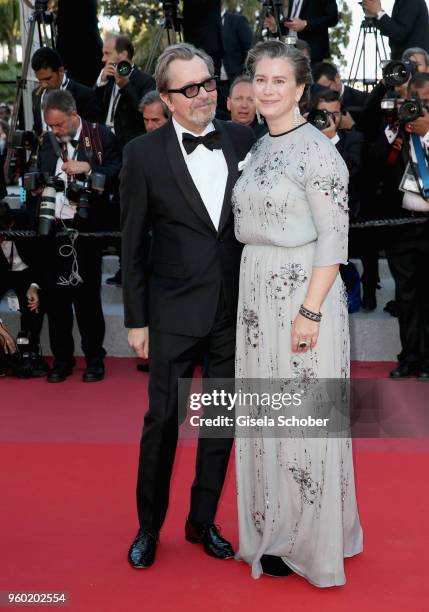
(304, 330)
(6, 341)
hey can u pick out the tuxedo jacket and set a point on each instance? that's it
(85, 99)
(128, 120)
(177, 290)
(237, 40)
(110, 164)
(407, 27)
(353, 98)
(320, 16)
(28, 248)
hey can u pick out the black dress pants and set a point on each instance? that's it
(31, 322)
(172, 357)
(408, 257)
(85, 298)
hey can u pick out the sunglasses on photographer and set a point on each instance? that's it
(192, 90)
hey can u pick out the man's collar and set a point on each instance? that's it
(181, 130)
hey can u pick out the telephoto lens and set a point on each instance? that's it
(411, 110)
(47, 210)
(124, 68)
(320, 118)
(398, 72)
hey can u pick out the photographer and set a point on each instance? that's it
(20, 271)
(407, 248)
(49, 70)
(119, 91)
(83, 152)
(407, 27)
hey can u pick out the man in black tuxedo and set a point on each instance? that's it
(85, 149)
(327, 75)
(237, 39)
(407, 27)
(311, 19)
(49, 70)
(188, 296)
(119, 96)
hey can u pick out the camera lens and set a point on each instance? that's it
(124, 68)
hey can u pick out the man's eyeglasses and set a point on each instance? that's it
(192, 90)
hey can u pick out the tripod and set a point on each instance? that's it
(44, 21)
(367, 30)
(171, 25)
(270, 8)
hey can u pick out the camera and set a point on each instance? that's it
(123, 68)
(398, 72)
(409, 111)
(50, 184)
(81, 191)
(320, 118)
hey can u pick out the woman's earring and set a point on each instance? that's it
(296, 116)
(259, 118)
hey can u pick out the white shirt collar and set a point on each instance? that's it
(180, 130)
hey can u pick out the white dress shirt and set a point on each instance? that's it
(114, 99)
(17, 265)
(208, 170)
(63, 209)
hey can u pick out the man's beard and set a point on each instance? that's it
(68, 137)
(204, 114)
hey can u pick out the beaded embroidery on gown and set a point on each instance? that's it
(296, 496)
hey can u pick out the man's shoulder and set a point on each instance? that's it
(80, 88)
(148, 141)
(139, 76)
(235, 129)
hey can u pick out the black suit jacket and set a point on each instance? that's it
(354, 98)
(237, 40)
(190, 262)
(202, 25)
(128, 122)
(85, 99)
(28, 248)
(110, 166)
(320, 16)
(350, 148)
(408, 26)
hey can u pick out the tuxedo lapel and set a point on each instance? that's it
(183, 178)
(233, 173)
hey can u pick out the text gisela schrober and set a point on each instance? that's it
(263, 421)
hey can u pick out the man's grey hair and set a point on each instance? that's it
(242, 78)
(181, 51)
(59, 99)
(153, 97)
(413, 50)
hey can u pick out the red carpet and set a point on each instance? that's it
(69, 456)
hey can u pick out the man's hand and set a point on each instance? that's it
(33, 299)
(270, 23)
(297, 25)
(138, 339)
(420, 126)
(373, 6)
(108, 71)
(331, 130)
(76, 167)
(6, 340)
(347, 121)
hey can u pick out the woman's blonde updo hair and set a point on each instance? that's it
(275, 49)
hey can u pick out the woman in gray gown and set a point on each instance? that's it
(296, 496)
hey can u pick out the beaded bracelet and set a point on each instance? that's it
(308, 314)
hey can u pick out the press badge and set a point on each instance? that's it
(13, 303)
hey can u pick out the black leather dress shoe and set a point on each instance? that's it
(423, 372)
(274, 566)
(59, 374)
(143, 549)
(403, 370)
(93, 373)
(208, 535)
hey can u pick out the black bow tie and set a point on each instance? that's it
(212, 140)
